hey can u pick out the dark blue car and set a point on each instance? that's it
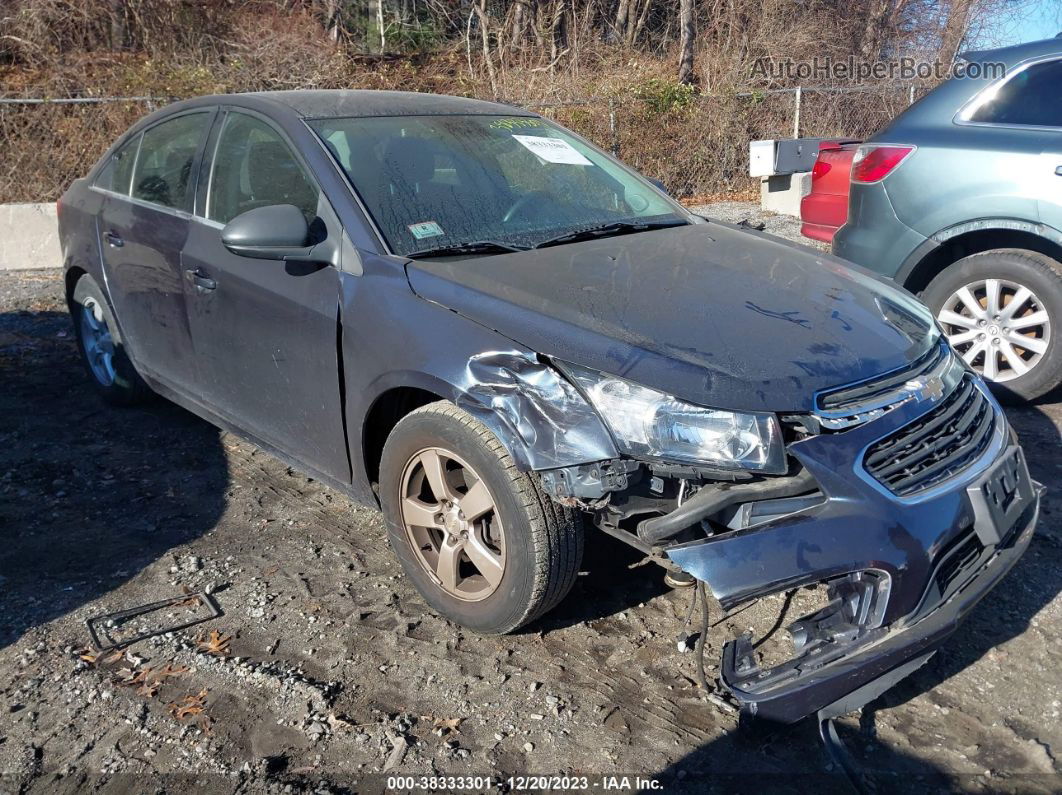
(507, 340)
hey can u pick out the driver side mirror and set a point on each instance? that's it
(277, 232)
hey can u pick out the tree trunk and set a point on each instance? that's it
(484, 33)
(952, 38)
(620, 24)
(687, 39)
(118, 27)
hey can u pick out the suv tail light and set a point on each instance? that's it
(872, 163)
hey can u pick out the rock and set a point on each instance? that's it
(529, 747)
(398, 752)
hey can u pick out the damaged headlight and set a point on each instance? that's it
(652, 424)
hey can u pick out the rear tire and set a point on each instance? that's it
(517, 552)
(100, 343)
(1016, 349)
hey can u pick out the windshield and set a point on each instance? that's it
(440, 182)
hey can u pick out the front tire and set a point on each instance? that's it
(100, 344)
(481, 541)
(1002, 312)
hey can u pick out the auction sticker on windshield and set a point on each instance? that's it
(553, 150)
(425, 229)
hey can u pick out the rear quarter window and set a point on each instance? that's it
(1033, 97)
(117, 174)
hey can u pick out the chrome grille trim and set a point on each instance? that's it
(932, 375)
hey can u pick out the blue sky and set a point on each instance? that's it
(1031, 20)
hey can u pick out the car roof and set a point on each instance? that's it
(1011, 56)
(332, 103)
(935, 112)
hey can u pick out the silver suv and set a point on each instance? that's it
(960, 200)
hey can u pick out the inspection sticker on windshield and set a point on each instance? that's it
(553, 150)
(425, 229)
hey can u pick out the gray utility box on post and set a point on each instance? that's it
(793, 155)
(784, 168)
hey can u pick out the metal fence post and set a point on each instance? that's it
(797, 96)
(613, 136)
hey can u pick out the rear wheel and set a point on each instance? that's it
(108, 365)
(479, 539)
(1002, 312)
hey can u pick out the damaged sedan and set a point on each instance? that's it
(512, 343)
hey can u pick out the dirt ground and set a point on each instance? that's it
(336, 674)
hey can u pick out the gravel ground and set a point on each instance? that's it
(781, 225)
(327, 671)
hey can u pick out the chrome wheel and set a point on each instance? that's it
(97, 342)
(452, 524)
(1000, 328)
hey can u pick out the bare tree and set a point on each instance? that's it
(687, 39)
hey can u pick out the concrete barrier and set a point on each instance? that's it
(782, 193)
(29, 237)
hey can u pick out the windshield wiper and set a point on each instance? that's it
(474, 247)
(607, 230)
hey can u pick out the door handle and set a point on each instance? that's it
(114, 239)
(201, 281)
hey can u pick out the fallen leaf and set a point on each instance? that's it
(216, 644)
(150, 679)
(193, 599)
(444, 725)
(94, 658)
(188, 707)
(341, 722)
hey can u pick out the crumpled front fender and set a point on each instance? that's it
(541, 419)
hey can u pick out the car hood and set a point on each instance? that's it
(710, 313)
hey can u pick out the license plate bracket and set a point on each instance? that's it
(1000, 496)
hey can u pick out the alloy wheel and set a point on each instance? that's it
(452, 524)
(999, 327)
(97, 342)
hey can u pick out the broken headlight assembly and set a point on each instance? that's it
(650, 424)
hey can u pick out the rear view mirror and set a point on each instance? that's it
(276, 232)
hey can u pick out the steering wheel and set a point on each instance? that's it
(522, 204)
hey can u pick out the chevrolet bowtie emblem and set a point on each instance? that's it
(926, 388)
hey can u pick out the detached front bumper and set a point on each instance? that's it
(905, 570)
(835, 678)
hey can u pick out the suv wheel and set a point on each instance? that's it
(482, 543)
(108, 365)
(1002, 312)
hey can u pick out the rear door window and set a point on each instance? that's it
(254, 167)
(164, 166)
(1031, 97)
(118, 173)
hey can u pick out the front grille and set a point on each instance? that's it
(853, 398)
(955, 559)
(936, 446)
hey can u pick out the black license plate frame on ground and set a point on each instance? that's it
(1000, 496)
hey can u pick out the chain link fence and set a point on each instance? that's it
(697, 145)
